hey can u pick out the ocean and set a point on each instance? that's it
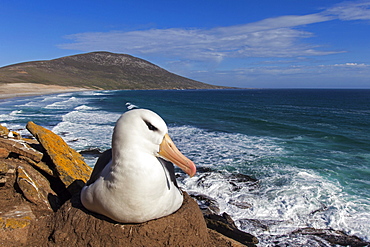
(308, 149)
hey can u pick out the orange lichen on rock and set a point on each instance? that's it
(15, 224)
(69, 164)
(4, 132)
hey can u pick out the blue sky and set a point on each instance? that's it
(243, 43)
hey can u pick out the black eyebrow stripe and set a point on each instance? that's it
(150, 126)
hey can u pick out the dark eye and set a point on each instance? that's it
(150, 126)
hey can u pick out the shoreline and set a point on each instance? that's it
(14, 90)
(21, 89)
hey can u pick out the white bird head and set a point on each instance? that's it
(144, 130)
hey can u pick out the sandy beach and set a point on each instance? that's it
(11, 90)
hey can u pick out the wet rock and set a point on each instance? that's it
(255, 225)
(239, 181)
(241, 205)
(243, 178)
(203, 169)
(333, 237)
(21, 148)
(206, 204)
(226, 226)
(68, 164)
(236, 181)
(210, 208)
(91, 151)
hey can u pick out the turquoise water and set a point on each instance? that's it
(309, 149)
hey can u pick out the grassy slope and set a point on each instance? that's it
(98, 70)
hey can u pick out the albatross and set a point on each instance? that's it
(135, 181)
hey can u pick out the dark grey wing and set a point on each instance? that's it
(171, 170)
(102, 162)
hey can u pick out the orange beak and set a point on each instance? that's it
(169, 151)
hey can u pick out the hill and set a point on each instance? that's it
(98, 70)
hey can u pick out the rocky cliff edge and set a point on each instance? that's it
(40, 182)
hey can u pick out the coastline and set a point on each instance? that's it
(262, 147)
(12, 90)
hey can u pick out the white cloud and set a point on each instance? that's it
(330, 75)
(358, 10)
(296, 71)
(281, 37)
(272, 37)
(358, 65)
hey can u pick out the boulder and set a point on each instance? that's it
(226, 226)
(3, 171)
(36, 188)
(41, 166)
(20, 147)
(332, 236)
(206, 204)
(68, 164)
(4, 132)
(15, 224)
(4, 153)
(79, 227)
(3, 167)
(16, 215)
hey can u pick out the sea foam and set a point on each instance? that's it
(287, 198)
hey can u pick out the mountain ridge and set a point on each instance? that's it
(99, 70)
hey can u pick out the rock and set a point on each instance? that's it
(222, 224)
(21, 148)
(241, 205)
(3, 167)
(91, 151)
(14, 135)
(15, 224)
(69, 164)
(18, 216)
(42, 166)
(333, 237)
(79, 227)
(4, 132)
(4, 153)
(31, 215)
(206, 204)
(226, 226)
(256, 225)
(239, 181)
(3, 171)
(222, 240)
(36, 188)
